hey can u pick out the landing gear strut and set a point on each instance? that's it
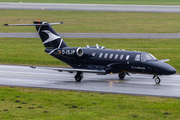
(78, 77)
(121, 76)
(157, 79)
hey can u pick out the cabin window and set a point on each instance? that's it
(100, 55)
(121, 57)
(116, 56)
(137, 58)
(127, 57)
(105, 56)
(111, 56)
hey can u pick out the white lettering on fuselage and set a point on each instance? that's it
(138, 67)
(68, 52)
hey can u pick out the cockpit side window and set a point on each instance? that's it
(146, 57)
(137, 58)
(154, 58)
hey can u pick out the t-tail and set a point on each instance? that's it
(47, 34)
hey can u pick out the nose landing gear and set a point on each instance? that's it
(157, 79)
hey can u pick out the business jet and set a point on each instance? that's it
(97, 59)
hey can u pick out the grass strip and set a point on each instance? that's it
(30, 51)
(34, 103)
(131, 2)
(92, 21)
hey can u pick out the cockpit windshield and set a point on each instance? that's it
(147, 57)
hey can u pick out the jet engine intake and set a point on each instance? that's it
(79, 51)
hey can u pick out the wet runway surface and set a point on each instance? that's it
(91, 7)
(136, 84)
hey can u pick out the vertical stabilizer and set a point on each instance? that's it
(48, 36)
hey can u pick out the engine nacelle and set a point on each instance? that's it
(71, 51)
(79, 51)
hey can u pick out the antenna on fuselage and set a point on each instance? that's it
(102, 47)
(97, 46)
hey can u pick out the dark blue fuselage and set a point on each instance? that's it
(113, 61)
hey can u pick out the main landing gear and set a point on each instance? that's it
(78, 77)
(157, 79)
(122, 75)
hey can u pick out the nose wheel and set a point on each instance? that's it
(157, 79)
(78, 77)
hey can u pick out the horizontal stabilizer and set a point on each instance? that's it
(38, 24)
(47, 34)
(71, 70)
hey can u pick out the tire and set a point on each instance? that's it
(157, 80)
(121, 76)
(78, 77)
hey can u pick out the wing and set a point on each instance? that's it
(71, 70)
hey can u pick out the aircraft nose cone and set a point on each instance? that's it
(171, 70)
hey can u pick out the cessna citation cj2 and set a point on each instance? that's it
(97, 59)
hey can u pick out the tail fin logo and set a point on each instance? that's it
(51, 38)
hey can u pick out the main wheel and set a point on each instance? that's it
(157, 80)
(78, 77)
(121, 76)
